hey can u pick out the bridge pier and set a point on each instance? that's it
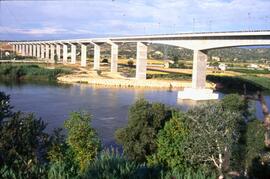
(20, 48)
(141, 61)
(47, 51)
(17, 48)
(38, 51)
(73, 54)
(198, 90)
(42, 51)
(34, 50)
(23, 50)
(58, 52)
(65, 53)
(26, 50)
(30, 50)
(52, 52)
(83, 55)
(14, 48)
(96, 57)
(114, 57)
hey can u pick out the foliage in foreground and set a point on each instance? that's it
(188, 144)
(23, 143)
(138, 137)
(170, 145)
(82, 139)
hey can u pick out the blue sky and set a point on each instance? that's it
(98, 18)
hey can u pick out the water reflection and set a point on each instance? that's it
(108, 106)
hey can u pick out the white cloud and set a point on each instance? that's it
(34, 31)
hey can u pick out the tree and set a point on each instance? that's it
(213, 132)
(171, 144)
(235, 102)
(55, 58)
(144, 122)
(23, 144)
(254, 142)
(5, 108)
(82, 138)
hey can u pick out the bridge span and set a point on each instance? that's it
(200, 43)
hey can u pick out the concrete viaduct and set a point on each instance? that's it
(200, 43)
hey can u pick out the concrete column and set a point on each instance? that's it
(27, 50)
(73, 54)
(141, 61)
(13, 48)
(65, 49)
(52, 53)
(58, 51)
(199, 69)
(34, 50)
(114, 57)
(47, 51)
(83, 55)
(38, 50)
(16, 48)
(30, 50)
(20, 48)
(23, 50)
(42, 51)
(96, 57)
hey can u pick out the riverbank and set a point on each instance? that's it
(116, 79)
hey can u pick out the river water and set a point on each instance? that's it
(108, 106)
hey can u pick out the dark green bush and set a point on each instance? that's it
(144, 121)
(171, 145)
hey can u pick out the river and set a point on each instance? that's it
(108, 106)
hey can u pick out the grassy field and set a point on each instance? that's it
(30, 71)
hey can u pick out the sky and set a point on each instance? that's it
(62, 19)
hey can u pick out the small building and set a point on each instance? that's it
(167, 63)
(222, 66)
(254, 66)
(216, 58)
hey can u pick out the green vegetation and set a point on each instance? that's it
(262, 82)
(174, 76)
(240, 83)
(82, 139)
(170, 144)
(218, 139)
(250, 71)
(18, 71)
(145, 120)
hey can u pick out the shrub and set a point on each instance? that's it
(105, 60)
(82, 138)
(5, 108)
(234, 102)
(23, 144)
(61, 156)
(254, 146)
(130, 63)
(144, 122)
(213, 134)
(111, 165)
(171, 144)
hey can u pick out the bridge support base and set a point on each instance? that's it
(141, 61)
(197, 94)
